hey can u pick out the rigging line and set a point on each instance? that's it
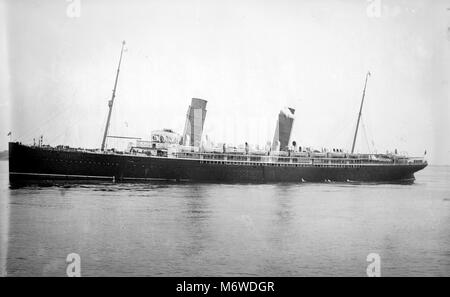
(38, 127)
(57, 137)
(369, 130)
(348, 130)
(69, 122)
(342, 127)
(58, 112)
(365, 134)
(370, 135)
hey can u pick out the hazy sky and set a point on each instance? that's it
(249, 59)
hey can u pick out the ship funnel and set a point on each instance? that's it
(283, 129)
(195, 118)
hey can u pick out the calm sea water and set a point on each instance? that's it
(228, 230)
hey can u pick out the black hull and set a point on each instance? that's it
(42, 164)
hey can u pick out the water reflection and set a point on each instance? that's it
(197, 213)
(174, 229)
(283, 195)
(4, 217)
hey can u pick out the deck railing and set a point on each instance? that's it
(274, 159)
(345, 161)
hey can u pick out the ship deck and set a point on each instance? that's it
(305, 160)
(51, 163)
(285, 159)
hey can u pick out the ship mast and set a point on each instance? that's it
(111, 102)
(360, 111)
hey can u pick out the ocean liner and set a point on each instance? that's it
(168, 155)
